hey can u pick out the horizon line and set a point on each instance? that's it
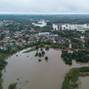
(34, 13)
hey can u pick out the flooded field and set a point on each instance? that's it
(25, 70)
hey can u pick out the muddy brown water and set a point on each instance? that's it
(29, 73)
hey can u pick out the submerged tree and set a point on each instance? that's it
(43, 53)
(46, 58)
(39, 54)
(47, 48)
(36, 54)
(12, 86)
(39, 60)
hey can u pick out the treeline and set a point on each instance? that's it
(79, 56)
(76, 19)
(68, 33)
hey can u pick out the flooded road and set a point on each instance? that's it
(25, 70)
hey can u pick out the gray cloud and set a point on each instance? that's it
(44, 6)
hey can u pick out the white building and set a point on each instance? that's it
(55, 27)
(78, 27)
(41, 23)
(43, 33)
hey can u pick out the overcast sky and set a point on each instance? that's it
(44, 6)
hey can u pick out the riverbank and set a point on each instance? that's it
(72, 77)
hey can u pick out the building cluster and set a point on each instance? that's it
(50, 37)
(78, 27)
(22, 38)
(10, 38)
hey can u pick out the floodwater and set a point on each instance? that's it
(84, 82)
(25, 70)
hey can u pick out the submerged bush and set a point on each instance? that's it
(12, 86)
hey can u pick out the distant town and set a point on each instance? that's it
(14, 34)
